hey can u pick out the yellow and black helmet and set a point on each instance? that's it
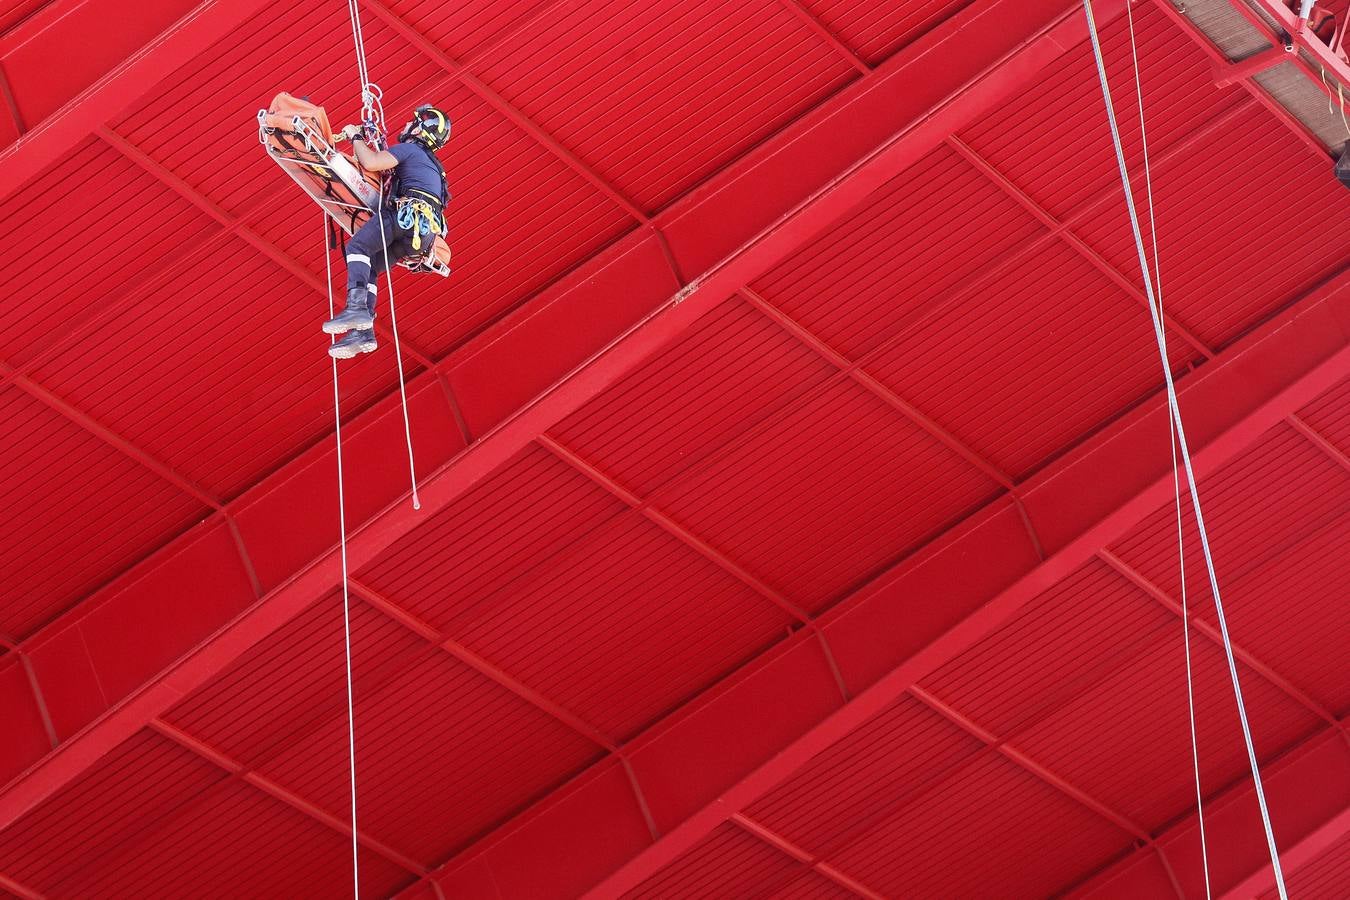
(429, 127)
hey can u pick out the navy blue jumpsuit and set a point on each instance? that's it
(418, 175)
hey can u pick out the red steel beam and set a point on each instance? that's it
(10, 103)
(428, 632)
(1318, 440)
(1057, 782)
(49, 140)
(1168, 602)
(678, 531)
(836, 43)
(1226, 74)
(1005, 184)
(731, 229)
(1308, 790)
(38, 699)
(1294, 856)
(787, 847)
(1049, 777)
(283, 795)
(973, 283)
(853, 369)
(1026, 763)
(888, 637)
(694, 542)
(19, 890)
(72, 413)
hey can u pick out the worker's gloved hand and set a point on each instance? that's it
(349, 132)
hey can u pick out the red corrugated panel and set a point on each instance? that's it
(1261, 503)
(1132, 729)
(295, 682)
(922, 236)
(76, 253)
(1329, 415)
(731, 371)
(1327, 877)
(727, 863)
(990, 829)
(93, 512)
(87, 825)
(622, 627)
(1217, 206)
(236, 381)
(1044, 355)
(1290, 613)
(534, 507)
(443, 754)
(233, 841)
(465, 30)
(658, 99)
(865, 777)
(876, 28)
(1053, 142)
(817, 500)
(810, 886)
(1061, 644)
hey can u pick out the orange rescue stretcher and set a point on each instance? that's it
(296, 134)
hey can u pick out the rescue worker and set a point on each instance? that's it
(414, 213)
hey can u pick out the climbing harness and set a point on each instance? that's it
(1174, 411)
(419, 218)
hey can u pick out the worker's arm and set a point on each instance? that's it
(373, 160)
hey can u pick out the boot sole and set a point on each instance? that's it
(331, 327)
(348, 352)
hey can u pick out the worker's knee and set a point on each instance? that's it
(366, 241)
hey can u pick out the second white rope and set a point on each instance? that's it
(1176, 473)
(346, 592)
(1175, 412)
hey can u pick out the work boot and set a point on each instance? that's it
(355, 342)
(356, 316)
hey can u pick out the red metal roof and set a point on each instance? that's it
(797, 514)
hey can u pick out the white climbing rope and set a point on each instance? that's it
(346, 592)
(1175, 413)
(358, 38)
(398, 350)
(1176, 473)
(372, 110)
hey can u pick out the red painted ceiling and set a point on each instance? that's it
(797, 510)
